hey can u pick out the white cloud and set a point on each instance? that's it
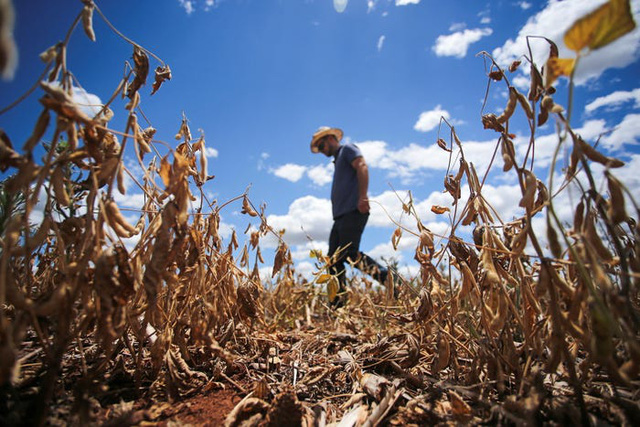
(380, 43)
(211, 152)
(321, 175)
(387, 208)
(546, 145)
(485, 17)
(406, 2)
(290, 172)
(429, 120)
(521, 82)
(524, 5)
(301, 252)
(552, 23)
(458, 43)
(375, 153)
(615, 100)
(89, 103)
(458, 26)
(340, 5)
(188, 5)
(627, 132)
(629, 176)
(386, 251)
(307, 217)
(592, 131)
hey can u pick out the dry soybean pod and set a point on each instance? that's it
(510, 108)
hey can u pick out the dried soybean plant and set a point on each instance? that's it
(88, 285)
(531, 307)
(163, 308)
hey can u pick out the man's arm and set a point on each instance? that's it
(362, 172)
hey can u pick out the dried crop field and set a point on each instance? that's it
(512, 327)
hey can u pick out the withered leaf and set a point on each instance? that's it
(556, 67)
(395, 238)
(514, 66)
(141, 70)
(439, 210)
(495, 75)
(162, 74)
(246, 207)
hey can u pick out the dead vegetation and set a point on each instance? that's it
(512, 328)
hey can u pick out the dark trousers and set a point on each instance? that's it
(346, 233)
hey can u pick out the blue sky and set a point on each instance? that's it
(260, 76)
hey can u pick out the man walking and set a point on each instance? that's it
(350, 207)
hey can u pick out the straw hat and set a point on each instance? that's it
(321, 132)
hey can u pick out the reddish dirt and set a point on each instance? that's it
(204, 409)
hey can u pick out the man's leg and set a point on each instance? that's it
(353, 229)
(337, 268)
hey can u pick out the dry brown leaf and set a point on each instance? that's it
(141, 69)
(439, 210)
(162, 74)
(459, 408)
(374, 385)
(395, 238)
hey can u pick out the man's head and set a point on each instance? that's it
(326, 140)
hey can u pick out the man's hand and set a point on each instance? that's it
(363, 205)
(362, 172)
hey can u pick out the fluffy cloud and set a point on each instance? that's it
(89, 103)
(524, 5)
(321, 175)
(211, 152)
(546, 144)
(552, 22)
(627, 132)
(307, 217)
(614, 100)
(406, 2)
(290, 172)
(429, 120)
(188, 5)
(380, 43)
(458, 43)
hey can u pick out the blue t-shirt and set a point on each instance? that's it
(344, 190)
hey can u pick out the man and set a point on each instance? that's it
(350, 207)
